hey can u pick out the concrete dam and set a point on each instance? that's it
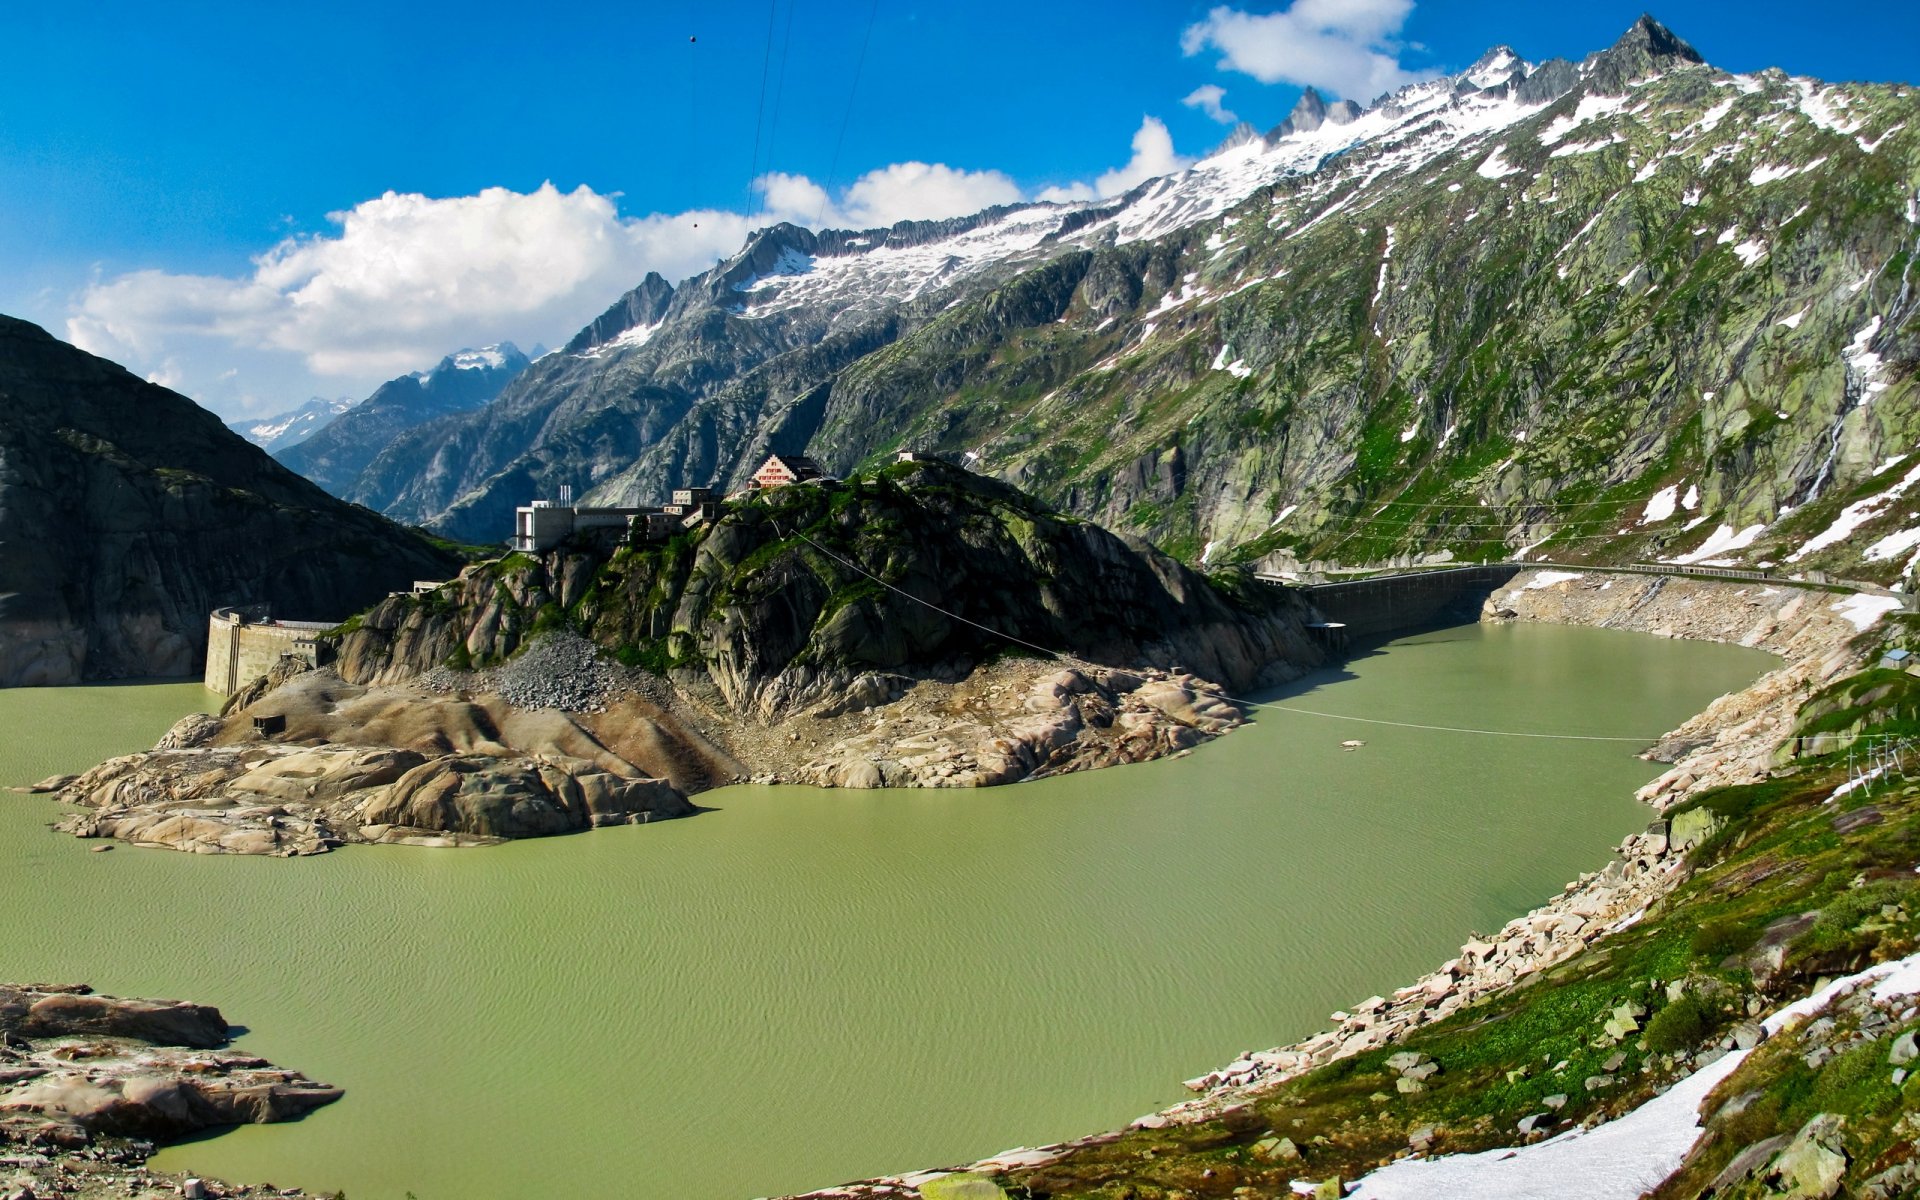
(1395, 603)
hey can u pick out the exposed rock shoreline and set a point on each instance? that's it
(1732, 740)
(90, 1084)
(436, 763)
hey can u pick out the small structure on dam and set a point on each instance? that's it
(243, 642)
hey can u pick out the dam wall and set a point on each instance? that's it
(1398, 603)
(242, 643)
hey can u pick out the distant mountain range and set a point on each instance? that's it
(334, 455)
(294, 426)
(1632, 306)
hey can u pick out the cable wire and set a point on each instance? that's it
(846, 119)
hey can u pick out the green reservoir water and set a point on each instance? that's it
(808, 986)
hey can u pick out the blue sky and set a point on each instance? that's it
(200, 190)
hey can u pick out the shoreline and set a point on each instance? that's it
(1732, 740)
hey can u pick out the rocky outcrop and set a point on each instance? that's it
(1011, 722)
(128, 513)
(75, 1067)
(407, 769)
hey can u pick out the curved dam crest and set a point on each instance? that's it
(808, 986)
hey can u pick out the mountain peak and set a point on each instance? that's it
(1646, 48)
(1309, 113)
(1497, 66)
(1240, 135)
(644, 305)
(1649, 34)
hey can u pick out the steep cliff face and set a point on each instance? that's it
(1509, 308)
(812, 592)
(127, 513)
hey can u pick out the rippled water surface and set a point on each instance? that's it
(808, 986)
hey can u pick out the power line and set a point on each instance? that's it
(760, 108)
(853, 89)
(779, 90)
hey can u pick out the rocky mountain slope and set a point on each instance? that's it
(283, 431)
(127, 513)
(333, 457)
(1630, 306)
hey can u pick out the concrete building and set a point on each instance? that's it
(542, 525)
(243, 643)
(782, 469)
(688, 497)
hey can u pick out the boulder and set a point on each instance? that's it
(1813, 1166)
(1904, 1050)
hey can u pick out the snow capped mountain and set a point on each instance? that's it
(1506, 292)
(292, 427)
(492, 357)
(460, 382)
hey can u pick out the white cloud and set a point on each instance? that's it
(404, 278)
(1207, 99)
(1153, 154)
(923, 192)
(1347, 47)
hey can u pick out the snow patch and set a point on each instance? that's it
(1546, 579)
(1870, 146)
(638, 335)
(1611, 1161)
(1590, 108)
(1793, 322)
(1722, 540)
(479, 360)
(1854, 515)
(1237, 368)
(1862, 610)
(1661, 505)
(1863, 365)
(1773, 174)
(1893, 545)
(1494, 166)
(1824, 108)
(1572, 148)
(1282, 515)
